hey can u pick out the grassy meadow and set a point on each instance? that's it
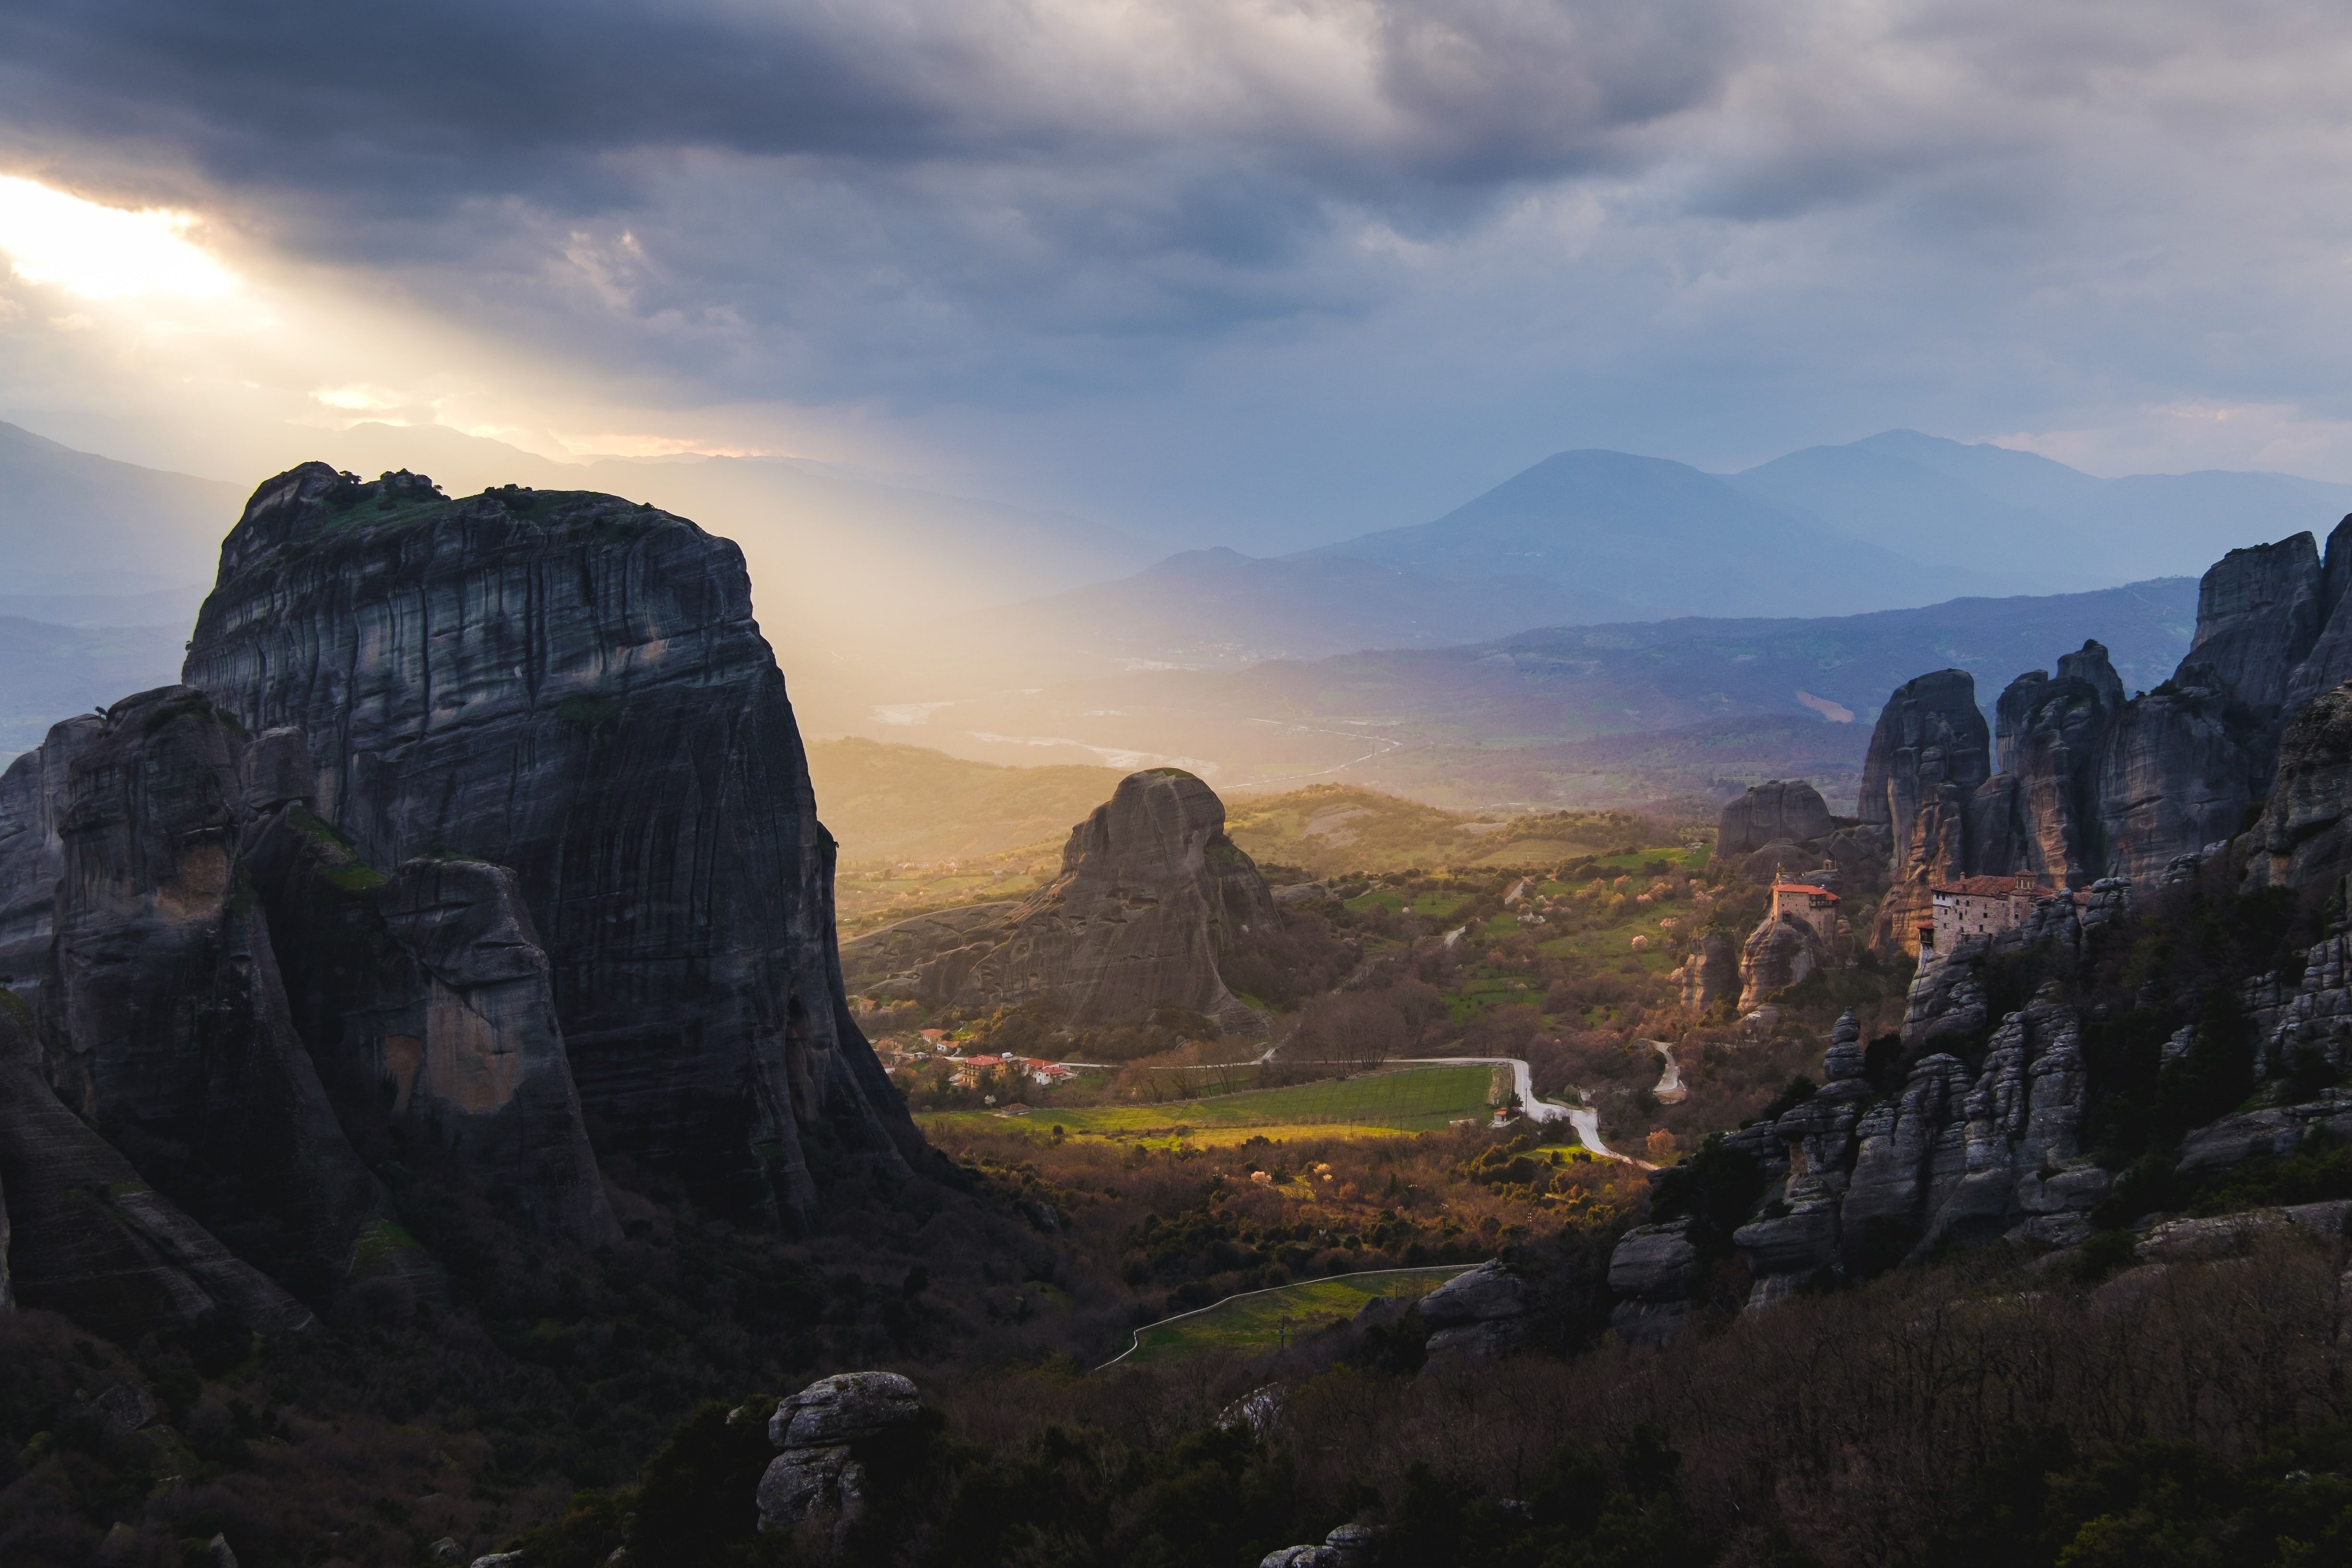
(1373, 1105)
(1266, 1320)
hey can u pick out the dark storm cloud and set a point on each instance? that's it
(434, 98)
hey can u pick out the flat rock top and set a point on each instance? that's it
(843, 1408)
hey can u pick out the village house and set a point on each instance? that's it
(1980, 906)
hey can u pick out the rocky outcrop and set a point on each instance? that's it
(2258, 612)
(2303, 837)
(1927, 756)
(572, 687)
(86, 1236)
(2275, 1129)
(1710, 971)
(817, 1483)
(1863, 1181)
(1152, 893)
(1652, 1271)
(2091, 786)
(1778, 953)
(1775, 811)
(1348, 1546)
(1480, 1315)
(429, 997)
(2040, 814)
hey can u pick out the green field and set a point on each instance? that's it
(1405, 1099)
(1266, 1320)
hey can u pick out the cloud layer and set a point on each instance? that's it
(1320, 261)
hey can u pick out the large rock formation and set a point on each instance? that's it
(2040, 814)
(1772, 812)
(488, 823)
(1152, 893)
(1780, 954)
(2094, 786)
(572, 687)
(1927, 755)
(1953, 1157)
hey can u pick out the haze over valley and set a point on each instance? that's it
(1033, 783)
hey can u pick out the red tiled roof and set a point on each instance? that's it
(1803, 887)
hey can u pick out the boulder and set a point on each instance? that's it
(1349, 1546)
(818, 1482)
(1652, 1269)
(844, 1408)
(1485, 1294)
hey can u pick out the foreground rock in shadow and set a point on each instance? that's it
(573, 686)
(86, 1236)
(492, 821)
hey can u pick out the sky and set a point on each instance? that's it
(1255, 272)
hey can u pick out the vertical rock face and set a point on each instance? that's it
(2303, 837)
(86, 1236)
(2051, 736)
(1778, 953)
(427, 994)
(2329, 663)
(1953, 1157)
(32, 852)
(1927, 756)
(1152, 893)
(2179, 770)
(1710, 973)
(573, 686)
(169, 1020)
(2259, 611)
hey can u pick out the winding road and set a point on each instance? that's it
(1584, 1119)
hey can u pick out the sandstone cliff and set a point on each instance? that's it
(1152, 893)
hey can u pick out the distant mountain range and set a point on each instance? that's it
(1594, 537)
(1569, 715)
(905, 614)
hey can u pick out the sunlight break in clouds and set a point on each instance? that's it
(102, 252)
